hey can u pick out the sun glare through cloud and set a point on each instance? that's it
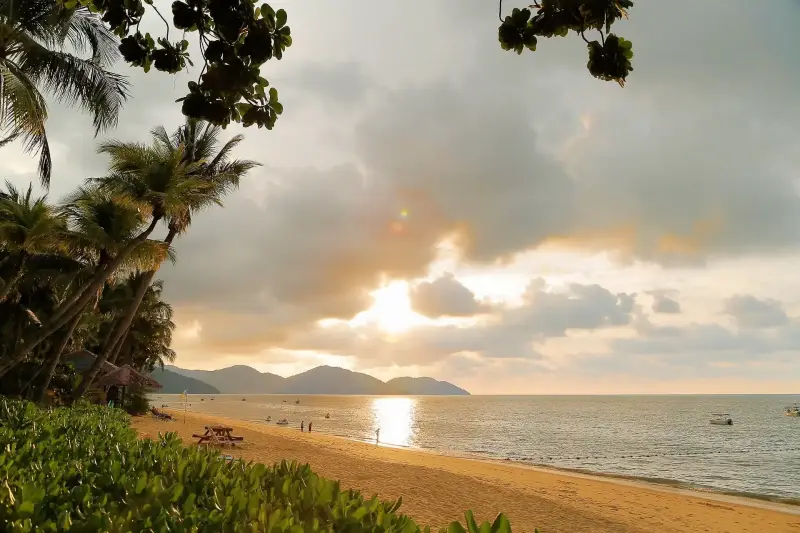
(391, 309)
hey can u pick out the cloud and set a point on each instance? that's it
(750, 312)
(663, 304)
(445, 296)
(509, 333)
(498, 154)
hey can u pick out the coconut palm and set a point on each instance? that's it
(214, 174)
(33, 37)
(28, 226)
(147, 342)
(158, 181)
(115, 233)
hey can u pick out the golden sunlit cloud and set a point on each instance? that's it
(189, 331)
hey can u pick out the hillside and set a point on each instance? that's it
(423, 386)
(239, 379)
(333, 380)
(242, 379)
(175, 383)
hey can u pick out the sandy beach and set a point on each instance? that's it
(438, 489)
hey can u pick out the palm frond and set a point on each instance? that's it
(23, 112)
(86, 32)
(76, 81)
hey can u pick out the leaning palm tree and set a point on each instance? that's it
(28, 226)
(33, 37)
(157, 181)
(98, 227)
(214, 175)
(92, 215)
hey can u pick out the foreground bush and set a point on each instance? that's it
(83, 469)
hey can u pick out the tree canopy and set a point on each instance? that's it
(237, 37)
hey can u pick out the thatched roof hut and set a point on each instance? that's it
(125, 376)
(112, 379)
(83, 359)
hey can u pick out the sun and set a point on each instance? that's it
(391, 309)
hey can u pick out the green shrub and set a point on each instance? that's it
(82, 469)
(136, 402)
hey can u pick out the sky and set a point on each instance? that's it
(429, 204)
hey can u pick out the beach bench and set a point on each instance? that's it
(217, 436)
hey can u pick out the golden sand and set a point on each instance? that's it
(438, 489)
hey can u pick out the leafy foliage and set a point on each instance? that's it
(236, 38)
(83, 469)
(80, 276)
(609, 58)
(33, 60)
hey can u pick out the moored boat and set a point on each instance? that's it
(721, 419)
(793, 410)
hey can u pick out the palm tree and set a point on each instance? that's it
(214, 174)
(28, 226)
(113, 231)
(33, 36)
(159, 181)
(147, 342)
(99, 225)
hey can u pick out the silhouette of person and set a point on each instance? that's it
(309, 427)
(303, 425)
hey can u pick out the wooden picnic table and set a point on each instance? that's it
(217, 435)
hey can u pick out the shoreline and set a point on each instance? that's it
(437, 488)
(652, 482)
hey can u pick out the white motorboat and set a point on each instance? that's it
(283, 422)
(722, 419)
(793, 410)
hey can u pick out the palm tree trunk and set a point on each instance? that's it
(99, 279)
(120, 328)
(73, 298)
(118, 348)
(14, 279)
(55, 358)
(125, 322)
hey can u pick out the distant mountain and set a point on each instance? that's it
(175, 383)
(333, 380)
(423, 386)
(239, 379)
(242, 379)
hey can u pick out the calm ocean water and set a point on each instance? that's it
(667, 438)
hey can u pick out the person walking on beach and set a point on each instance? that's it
(377, 435)
(303, 425)
(309, 427)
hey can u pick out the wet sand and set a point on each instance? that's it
(438, 489)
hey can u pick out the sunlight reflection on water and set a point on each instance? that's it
(395, 419)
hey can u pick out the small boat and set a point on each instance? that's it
(793, 411)
(283, 422)
(297, 402)
(328, 415)
(212, 399)
(269, 419)
(244, 399)
(722, 419)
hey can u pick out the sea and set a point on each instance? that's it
(663, 439)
